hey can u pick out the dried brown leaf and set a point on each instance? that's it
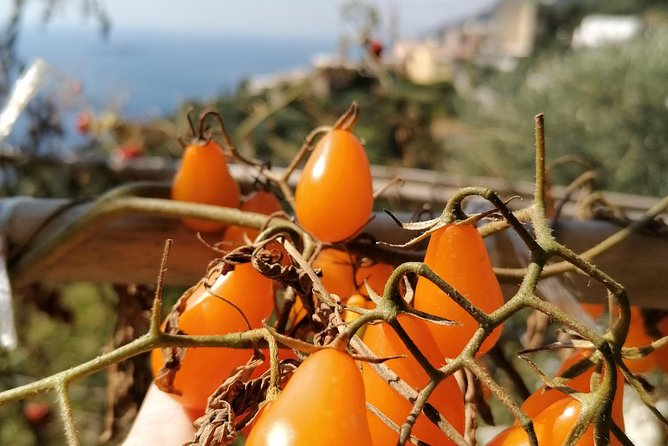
(235, 403)
(172, 356)
(127, 381)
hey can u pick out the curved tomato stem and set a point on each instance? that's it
(307, 146)
(425, 271)
(349, 118)
(66, 414)
(274, 367)
(190, 121)
(453, 208)
(541, 178)
(156, 310)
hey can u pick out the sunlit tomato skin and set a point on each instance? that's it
(203, 177)
(375, 275)
(323, 404)
(338, 278)
(558, 420)
(638, 337)
(337, 272)
(558, 412)
(542, 398)
(553, 426)
(334, 195)
(516, 436)
(457, 253)
(356, 300)
(204, 369)
(446, 398)
(261, 202)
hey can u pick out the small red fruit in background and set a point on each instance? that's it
(37, 413)
(82, 122)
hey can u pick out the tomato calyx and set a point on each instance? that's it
(348, 119)
(202, 134)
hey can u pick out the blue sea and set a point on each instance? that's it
(148, 73)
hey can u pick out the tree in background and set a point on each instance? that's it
(609, 105)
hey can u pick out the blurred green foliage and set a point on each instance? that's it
(57, 331)
(607, 105)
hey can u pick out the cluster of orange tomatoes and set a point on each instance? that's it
(325, 401)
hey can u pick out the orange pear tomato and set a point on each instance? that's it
(203, 177)
(375, 274)
(446, 398)
(356, 300)
(559, 411)
(554, 424)
(457, 253)
(515, 436)
(337, 277)
(334, 195)
(542, 397)
(322, 404)
(203, 369)
(337, 272)
(559, 418)
(261, 202)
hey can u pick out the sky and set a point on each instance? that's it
(307, 18)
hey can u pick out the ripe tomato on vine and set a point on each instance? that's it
(203, 177)
(552, 427)
(337, 271)
(446, 398)
(322, 404)
(457, 253)
(375, 274)
(543, 397)
(261, 202)
(213, 312)
(356, 300)
(337, 276)
(334, 195)
(554, 413)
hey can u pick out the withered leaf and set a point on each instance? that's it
(235, 403)
(172, 356)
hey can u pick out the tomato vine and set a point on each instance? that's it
(302, 281)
